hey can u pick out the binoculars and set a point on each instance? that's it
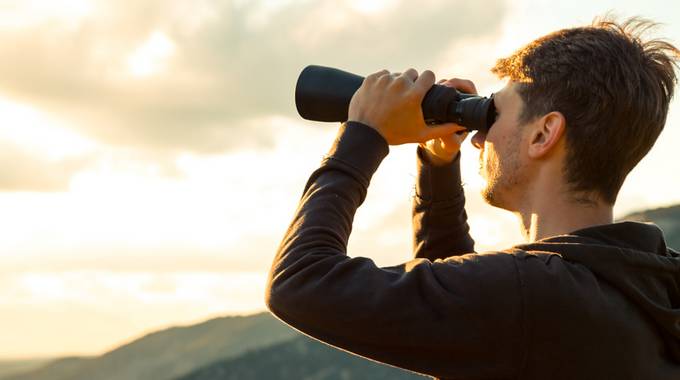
(323, 94)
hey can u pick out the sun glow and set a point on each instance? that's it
(151, 57)
(26, 13)
(370, 7)
(39, 133)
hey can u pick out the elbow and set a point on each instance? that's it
(283, 298)
(269, 299)
(274, 299)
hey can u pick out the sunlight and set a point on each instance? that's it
(110, 300)
(370, 7)
(151, 57)
(26, 13)
(491, 231)
(42, 287)
(39, 133)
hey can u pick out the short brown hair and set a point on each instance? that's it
(613, 89)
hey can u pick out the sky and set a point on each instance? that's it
(151, 156)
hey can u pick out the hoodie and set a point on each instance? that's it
(598, 303)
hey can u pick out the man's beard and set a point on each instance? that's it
(501, 177)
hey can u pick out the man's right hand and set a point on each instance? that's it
(443, 150)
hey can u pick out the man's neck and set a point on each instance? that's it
(547, 216)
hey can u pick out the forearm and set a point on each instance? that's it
(440, 227)
(318, 235)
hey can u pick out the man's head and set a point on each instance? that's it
(591, 99)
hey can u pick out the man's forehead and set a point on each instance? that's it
(507, 92)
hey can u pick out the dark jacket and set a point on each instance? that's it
(598, 303)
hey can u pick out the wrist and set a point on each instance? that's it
(367, 123)
(438, 183)
(437, 160)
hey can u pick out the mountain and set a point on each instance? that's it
(302, 358)
(667, 218)
(11, 367)
(170, 353)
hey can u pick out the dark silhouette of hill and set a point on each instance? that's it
(62, 368)
(11, 367)
(170, 353)
(667, 218)
(302, 358)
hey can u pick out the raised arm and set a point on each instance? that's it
(440, 227)
(453, 318)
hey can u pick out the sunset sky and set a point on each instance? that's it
(151, 156)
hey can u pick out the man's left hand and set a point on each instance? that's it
(391, 104)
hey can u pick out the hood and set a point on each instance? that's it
(634, 258)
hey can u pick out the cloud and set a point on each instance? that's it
(171, 76)
(21, 170)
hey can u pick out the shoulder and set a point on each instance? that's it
(545, 264)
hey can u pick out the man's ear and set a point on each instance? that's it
(546, 134)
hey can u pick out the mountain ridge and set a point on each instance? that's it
(171, 352)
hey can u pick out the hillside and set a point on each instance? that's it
(302, 358)
(11, 367)
(667, 218)
(170, 353)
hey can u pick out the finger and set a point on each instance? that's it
(376, 75)
(424, 82)
(463, 85)
(411, 74)
(441, 81)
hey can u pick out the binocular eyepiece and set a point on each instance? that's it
(323, 94)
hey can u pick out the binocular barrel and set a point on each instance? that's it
(323, 94)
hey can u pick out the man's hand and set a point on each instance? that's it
(391, 104)
(443, 150)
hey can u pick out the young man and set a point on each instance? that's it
(584, 298)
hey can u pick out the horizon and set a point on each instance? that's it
(154, 157)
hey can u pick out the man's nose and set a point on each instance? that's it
(478, 139)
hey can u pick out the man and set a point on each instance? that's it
(584, 298)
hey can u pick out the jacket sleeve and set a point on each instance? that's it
(440, 227)
(452, 318)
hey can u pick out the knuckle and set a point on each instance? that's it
(376, 75)
(384, 79)
(402, 80)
